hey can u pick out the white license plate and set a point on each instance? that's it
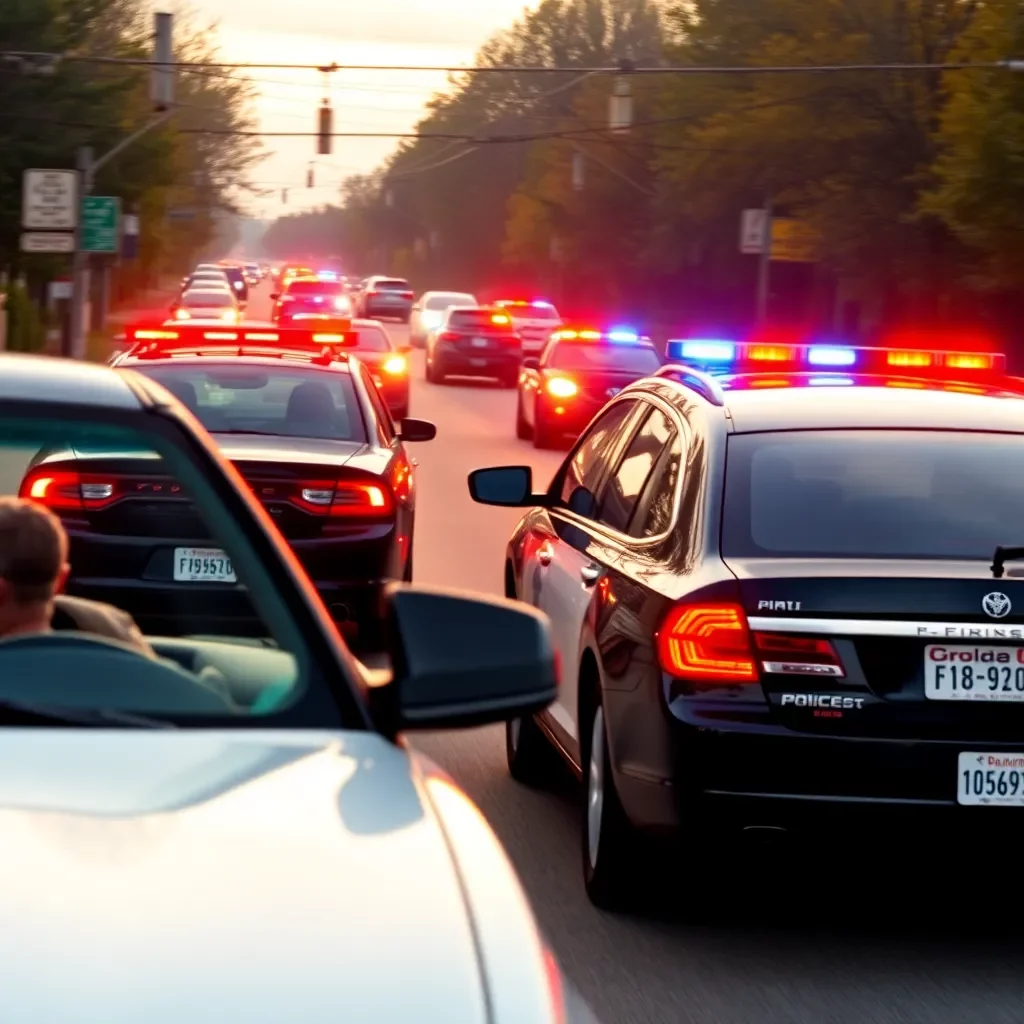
(202, 565)
(479, 343)
(966, 672)
(476, 363)
(990, 780)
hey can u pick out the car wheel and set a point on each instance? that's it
(435, 372)
(609, 841)
(530, 757)
(523, 431)
(510, 379)
(542, 434)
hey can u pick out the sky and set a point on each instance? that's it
(346, 32)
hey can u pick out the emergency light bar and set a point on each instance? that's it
(617, 335)
(720, 356)
(164, 339)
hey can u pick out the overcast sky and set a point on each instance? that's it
(373, 32)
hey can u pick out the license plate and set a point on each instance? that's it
(477, 362)
(974, 673)
(480, 343)
(990, 780)
(202, 565)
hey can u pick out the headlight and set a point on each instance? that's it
(561, 388)
(430, 318)
(343, 305)
(395, 365)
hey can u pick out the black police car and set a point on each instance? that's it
(782, 599)
(576, 373)
(307, 429)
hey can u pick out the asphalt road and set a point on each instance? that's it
(883, 934)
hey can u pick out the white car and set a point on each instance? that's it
(428, 312)
(203, 822)
(204, 303)
(534, 322)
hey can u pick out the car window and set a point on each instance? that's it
(531, 311)
(583, 357)
(622, 492)
(449, 299)
(582, 472)
(653, 513)
(873, 494)
(287, 401)
(168, 610)
(373, 339)
(385, 426)
(198, 300)
(480, 318)
(395, 285)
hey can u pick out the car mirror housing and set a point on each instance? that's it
(459, 661)
(508, 486)
(531, 363)
(417, 430)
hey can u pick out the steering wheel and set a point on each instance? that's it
(82, 670)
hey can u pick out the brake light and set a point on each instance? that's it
(395, 365)
(783, 654)
(68, 491)
(182, 314)
(561, 388)
(449, 336)
(500, 318)
(708, 643)
(345, 498)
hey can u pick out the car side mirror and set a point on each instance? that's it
(275, 296)
(508, 486)
(531, 363)
(461, 662)
(417, 430)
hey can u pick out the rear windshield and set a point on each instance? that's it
(373, 339)
(235, 273)
(450, 299)
(614, 358)
(197, 300)
(285, 401)
(530, 312)
(873, 494)
(391, 286)
(314, 288)
(478, 318)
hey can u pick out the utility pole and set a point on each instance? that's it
(765, 263)
(162, 95)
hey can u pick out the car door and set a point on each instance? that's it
(564, 573)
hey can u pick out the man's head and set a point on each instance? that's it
(33, 565)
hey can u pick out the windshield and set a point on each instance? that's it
(873, 494)
(373, 339)
(531, 312)
(391, 286)
(478, 318)
(612, 358)
(205, 300)
(287, 401)
(449, 299)
(129, 587)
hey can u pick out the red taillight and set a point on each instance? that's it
(63, 490)
(345, 498)
(405, 295)
(708, 643)
(798, 655)
(449, 336)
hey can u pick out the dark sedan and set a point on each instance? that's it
(474, 342)
(385, 297)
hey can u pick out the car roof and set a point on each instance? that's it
(48, 380)
(302, 359)
(815, 401)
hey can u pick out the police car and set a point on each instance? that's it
(786, 585)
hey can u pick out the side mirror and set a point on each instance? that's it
(275, 296)
(417, 430)
(531, 363)
(509, 486)
(460, 662)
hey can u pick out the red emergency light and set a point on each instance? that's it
(159, 340)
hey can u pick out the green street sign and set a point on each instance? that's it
(101, 217)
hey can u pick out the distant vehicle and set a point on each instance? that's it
(389, 297)
(252, 274)
(209, 279)
(206, 304)
(474, 342)
(310, 298)
(535, 321)
(428, 312)
(236, 276)
(387, 365)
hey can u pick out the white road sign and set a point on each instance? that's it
(47, 241)
(753, 231)
(49, 200)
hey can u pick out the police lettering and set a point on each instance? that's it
(821, 700)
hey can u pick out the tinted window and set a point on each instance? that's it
(385, 426)
(314, 288)
(449, 299)
(620, 496)
(529, 312)
(373, 339)
(615, 358)
(873, 494)
(582, 473)
(286, 401)
(391, 286)
(653, 513)
(198, 300)
(478, 318)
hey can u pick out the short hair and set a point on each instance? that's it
(33, 550)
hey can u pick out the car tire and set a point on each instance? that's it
(530, 757)
(542, 434)
(510, 379)
(609, 843)
(523, 431)
(434, 372)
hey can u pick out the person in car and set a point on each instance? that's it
(33, 571)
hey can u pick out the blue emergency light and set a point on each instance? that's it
(625, 335)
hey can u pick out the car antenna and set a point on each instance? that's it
(1002, 556)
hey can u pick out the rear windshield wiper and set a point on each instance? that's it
(1001, 557)
(16, 712)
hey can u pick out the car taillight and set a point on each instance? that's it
(709, 643)
(345, 498)
(449, 336)
(63, 490)
(182, 314)
(781, 654)
(405, 295)
(396, 365)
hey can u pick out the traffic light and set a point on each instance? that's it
(325, 123)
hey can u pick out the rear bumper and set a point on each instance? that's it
(398, 310)
(574, 416)
(484, 364)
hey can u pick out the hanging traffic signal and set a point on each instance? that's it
(325, 124)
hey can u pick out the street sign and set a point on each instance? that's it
(49, 200)
(752, 231)
(793, 241)
(47, 241)
(100, 222)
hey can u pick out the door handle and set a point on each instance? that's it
(545, 553)
(590, 574)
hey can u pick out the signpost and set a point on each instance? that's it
(49, 200)
(753, 231)
(101, 217)
(47, 241)
(793, 241)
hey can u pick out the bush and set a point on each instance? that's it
(26, 331)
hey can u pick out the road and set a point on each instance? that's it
(815, 939)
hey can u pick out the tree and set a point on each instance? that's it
(979, 172)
